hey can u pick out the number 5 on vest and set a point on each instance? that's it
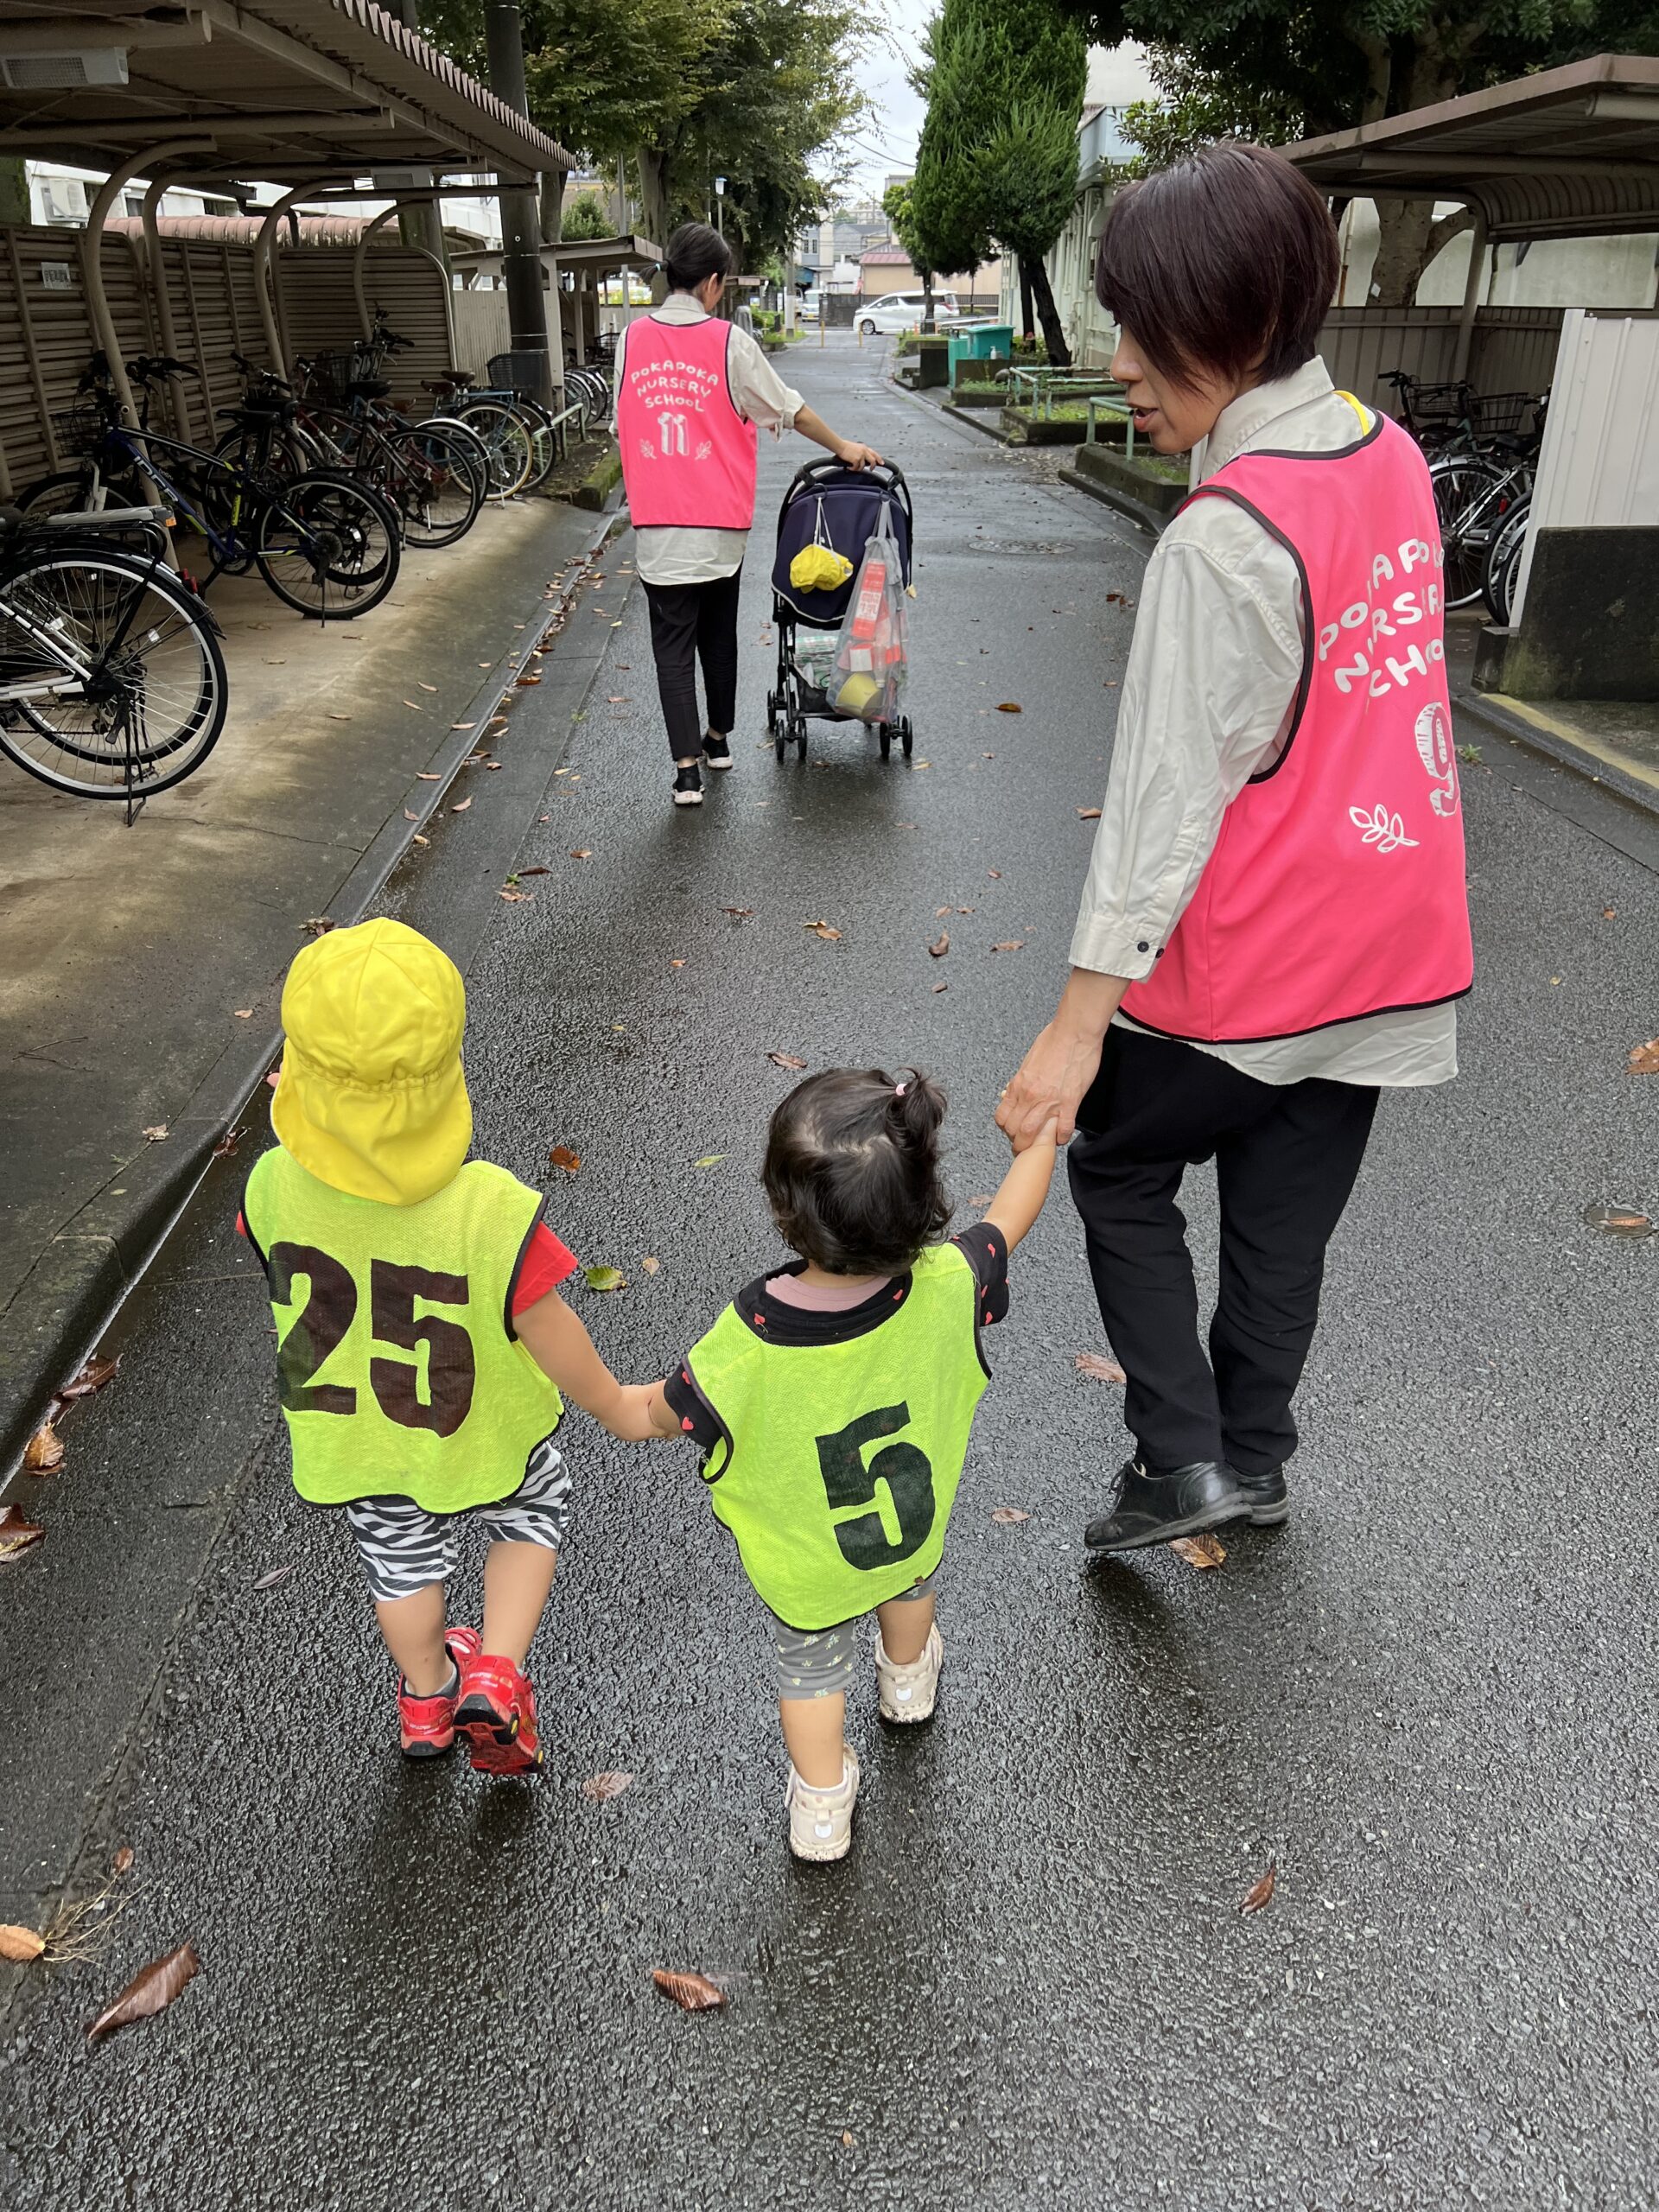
(847, 1481)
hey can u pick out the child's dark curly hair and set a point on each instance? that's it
(852, 1170)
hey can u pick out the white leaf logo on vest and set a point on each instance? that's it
(1433, 734)
(1385, 830)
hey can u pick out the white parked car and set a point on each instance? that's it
(896, 311)
(809, 306)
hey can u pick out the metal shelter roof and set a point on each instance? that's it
(598, 255)
(1570, 153)
(285, 89)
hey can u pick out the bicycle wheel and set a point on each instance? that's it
(505, 440)
(468, 444)
(1504, 560)
(438, 494)
(1466, 497)
(112, 682)
(69, 493)
(329, 546)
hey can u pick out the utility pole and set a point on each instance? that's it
(521, 228)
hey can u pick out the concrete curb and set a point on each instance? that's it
(1604, 773)
(1143, 518)
(68, 1297)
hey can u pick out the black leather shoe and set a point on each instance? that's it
(1266, 1496)
(1155, 1504)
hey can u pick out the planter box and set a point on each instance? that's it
(1144, 481)
(1024, 429)
(978, 395)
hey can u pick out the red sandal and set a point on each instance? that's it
(497, 1715)
(426, 1725)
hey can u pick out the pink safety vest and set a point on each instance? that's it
(1337, 886)
(687, 456)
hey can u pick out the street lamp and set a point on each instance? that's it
(720, 205)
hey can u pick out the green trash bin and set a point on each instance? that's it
(980, 342)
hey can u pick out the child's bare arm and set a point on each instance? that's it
(561, 1346)
(1025, 1187)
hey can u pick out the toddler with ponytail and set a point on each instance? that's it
(833, 1400)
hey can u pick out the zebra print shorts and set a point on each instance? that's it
(405, 1548)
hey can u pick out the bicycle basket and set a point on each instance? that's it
(331, 373)
(79, 429)
(1501, 411)
(1440, 404)
(518, 372)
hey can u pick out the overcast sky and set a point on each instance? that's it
(883, 141)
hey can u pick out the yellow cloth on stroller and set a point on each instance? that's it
(819, 567)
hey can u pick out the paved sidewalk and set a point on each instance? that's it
(143, 966)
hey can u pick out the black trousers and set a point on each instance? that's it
(1287, 1158)
(691, 623)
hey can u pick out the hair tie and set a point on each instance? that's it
(900, 1089)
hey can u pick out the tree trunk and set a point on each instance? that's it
(927, 300)
(552, 208)
(1027, 325)
(1408, 237)
(1034, 276)
(653, 206)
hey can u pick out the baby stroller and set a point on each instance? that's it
(830, 504)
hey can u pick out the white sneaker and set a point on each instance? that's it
(910, 1692)
(821, 1820)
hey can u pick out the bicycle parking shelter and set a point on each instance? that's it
(314, 95)
(1571, 152)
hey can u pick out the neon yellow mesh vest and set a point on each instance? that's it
(398, 1377)
(841, 1461)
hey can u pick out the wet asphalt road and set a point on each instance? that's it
(1429, 1700)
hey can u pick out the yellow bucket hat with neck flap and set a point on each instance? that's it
(372, 1100)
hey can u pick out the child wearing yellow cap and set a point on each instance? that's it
(421, 1342)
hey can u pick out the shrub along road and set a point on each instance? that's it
(1428, 1702)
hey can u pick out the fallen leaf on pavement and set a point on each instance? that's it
(1008, 945)
(650, 1264)
(122, 1862)
(408, 816)
(243, 1013)
(1620, 1221)
(941, 946)
(786, 1061)
(995, 875)
(463, 725)
(17, 1534)
(1115, 598)
(340, 718)
(276, 1574)
(428, 776)
(416, 704)
(20, 1944)
(741, 913)
(1260, 1894)
(318, 925)
(460, 806)
(581, 852)
(938, 988)
(692, 1993)
(604, 1278)
(424, 687)
(562, 1156)
(1008, 707)
(710, 1159)
(93, 1376)
(1007, 1513)
(1610, 913)
(534, 871)
(848, 2138)
(599, 1788)
(151, 1990)
(514, 897)
(1088, 814)
(1099, 1369)
(1643, 1060)
(1199, 1551)
(618, 699)
(678, 963)
(822, 930)
(530, 679)
(938, 911)
(156, 1133)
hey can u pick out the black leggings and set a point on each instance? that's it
(689, 623)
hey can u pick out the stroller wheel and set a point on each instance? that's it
(885, 736)
(772, 714)
(779, 742)
(800, 737)
(906, 734)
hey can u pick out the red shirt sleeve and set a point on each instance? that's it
(545, 1265)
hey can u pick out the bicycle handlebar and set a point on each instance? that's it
(147, 368)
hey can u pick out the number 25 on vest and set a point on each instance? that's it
(331, 1308)
(848, 1481)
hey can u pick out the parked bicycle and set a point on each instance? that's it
(113, 682)
(325, 543)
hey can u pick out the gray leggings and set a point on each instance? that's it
(821, 1664)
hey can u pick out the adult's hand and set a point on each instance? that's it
(857, 456)
(1056, 1073)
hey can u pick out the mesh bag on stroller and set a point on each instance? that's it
(830, 508)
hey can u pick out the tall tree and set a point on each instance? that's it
(1285, 69)
(898, 205)
(998, 149)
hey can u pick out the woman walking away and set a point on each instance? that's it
(690, 390)
(1274, 926)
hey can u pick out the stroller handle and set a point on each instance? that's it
(815, 473)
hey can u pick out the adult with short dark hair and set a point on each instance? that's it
(1275, 927)
(691, 390)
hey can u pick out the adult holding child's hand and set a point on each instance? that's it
(1275, 927)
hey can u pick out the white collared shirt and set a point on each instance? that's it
(698, 557)
(1211, 680)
